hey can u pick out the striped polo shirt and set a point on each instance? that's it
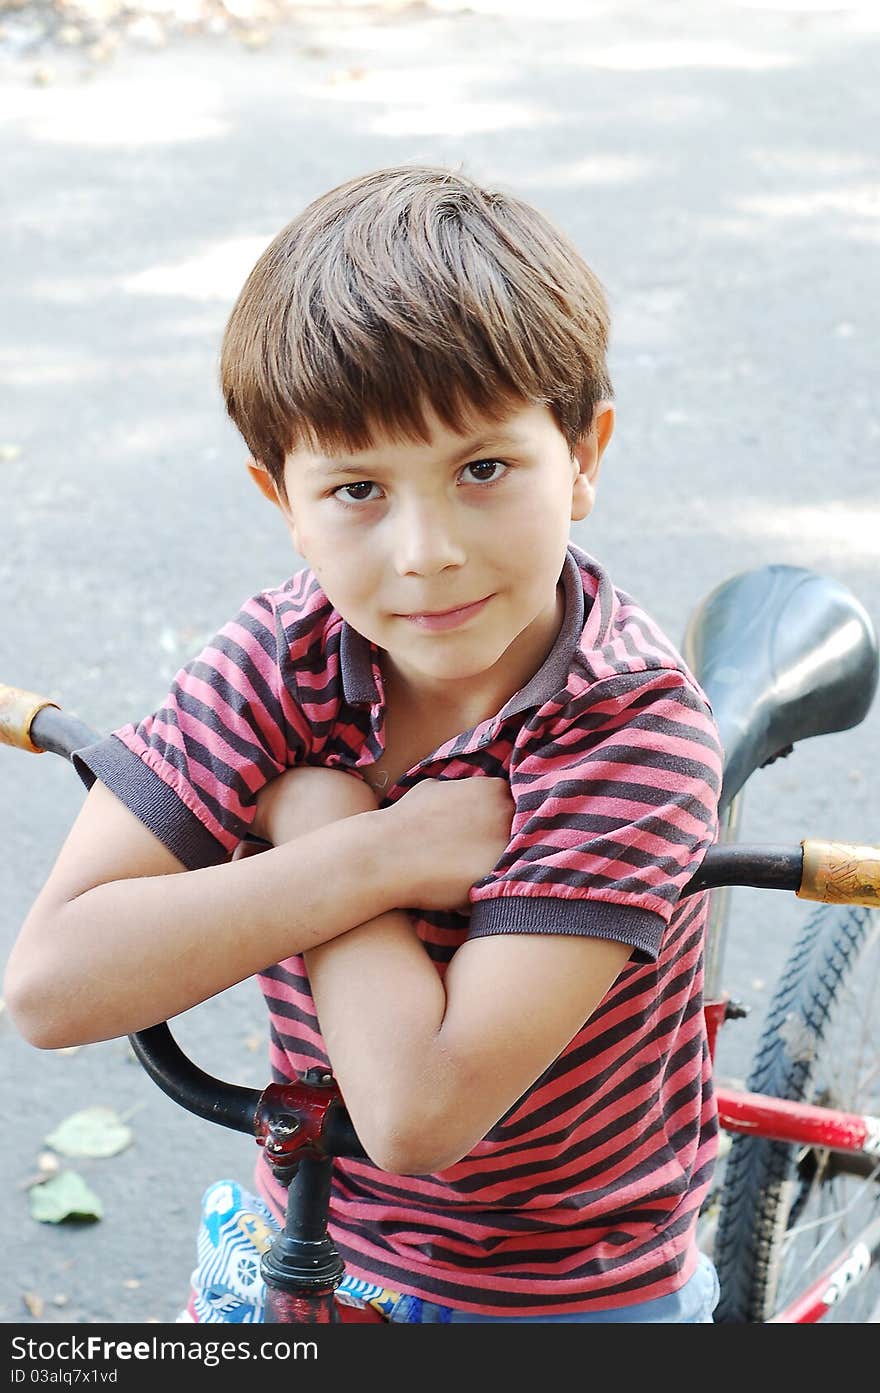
(585, 1194)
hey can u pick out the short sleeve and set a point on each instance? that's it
(615, 807)
(191, 772)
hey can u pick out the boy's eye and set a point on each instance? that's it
(486, 471)
(355, 493)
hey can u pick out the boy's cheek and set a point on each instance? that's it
(296, 537)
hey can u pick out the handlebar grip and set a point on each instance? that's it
(17, 712)
(841, 873)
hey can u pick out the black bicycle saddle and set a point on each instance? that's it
(782, 654)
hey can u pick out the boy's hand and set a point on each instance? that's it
(448, 834)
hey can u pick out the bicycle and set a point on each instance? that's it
(784, 654)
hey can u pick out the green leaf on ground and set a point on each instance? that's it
(65, 1196)
(94, 1131)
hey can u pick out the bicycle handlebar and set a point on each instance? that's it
(228, 1104)
(37, 724)
(830, 872)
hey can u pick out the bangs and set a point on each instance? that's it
(407, 292)
(345, 404)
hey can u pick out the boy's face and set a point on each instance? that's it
(447, 554)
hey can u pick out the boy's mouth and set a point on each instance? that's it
(447, 618)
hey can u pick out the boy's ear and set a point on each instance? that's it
(263, 480)
(587, 455)
(269, 489)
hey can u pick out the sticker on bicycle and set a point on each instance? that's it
(848, 1275)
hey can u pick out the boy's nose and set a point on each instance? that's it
(425, 541)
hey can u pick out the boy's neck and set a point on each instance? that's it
(468, 701)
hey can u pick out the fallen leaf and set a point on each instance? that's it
(94, 1131)
(65, 1196)
(34, 1303)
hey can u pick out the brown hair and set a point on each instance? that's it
(403, 288)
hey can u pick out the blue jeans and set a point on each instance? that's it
(692, 1304)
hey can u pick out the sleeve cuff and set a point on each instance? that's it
(153, 803)
(547, 914)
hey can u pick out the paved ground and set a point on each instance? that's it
(718, 165)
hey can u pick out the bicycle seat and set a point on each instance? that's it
(782, 654)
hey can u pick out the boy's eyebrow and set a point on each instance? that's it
(342, 466)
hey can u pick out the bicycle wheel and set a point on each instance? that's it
(786, 1210)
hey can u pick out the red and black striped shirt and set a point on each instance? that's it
(585, 1194)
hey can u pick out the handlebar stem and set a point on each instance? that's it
(291, 1117)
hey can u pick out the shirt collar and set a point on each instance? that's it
(362, 678)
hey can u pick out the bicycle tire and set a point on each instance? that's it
(768, 1244)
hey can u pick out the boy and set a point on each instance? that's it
(484, 773)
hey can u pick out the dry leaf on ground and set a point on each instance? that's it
(65, 1196)
(95, 1131)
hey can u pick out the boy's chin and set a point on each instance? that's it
(452, 668)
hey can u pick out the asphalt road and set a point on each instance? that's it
(719, 168)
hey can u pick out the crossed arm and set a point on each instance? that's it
(120, 938)
(428, 1066)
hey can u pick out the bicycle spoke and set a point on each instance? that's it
(834, 1215)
